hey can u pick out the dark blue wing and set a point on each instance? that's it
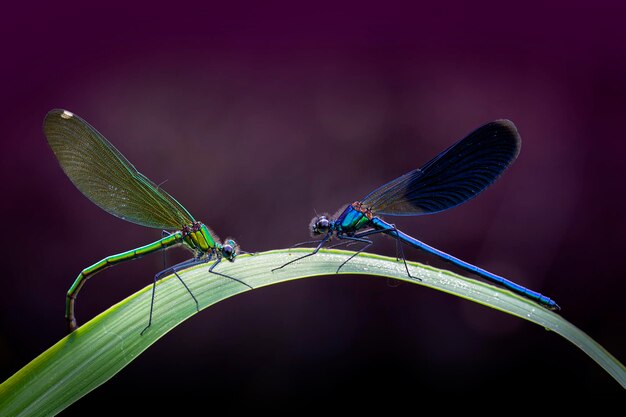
(456, 175)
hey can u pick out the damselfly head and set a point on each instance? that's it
(320, 225)
(229, 249)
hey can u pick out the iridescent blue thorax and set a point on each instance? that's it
(354, 218)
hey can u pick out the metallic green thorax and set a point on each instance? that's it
(352, 219)
(199, 238)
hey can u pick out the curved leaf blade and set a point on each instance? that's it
(100, 348)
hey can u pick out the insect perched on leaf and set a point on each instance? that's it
(453, 177)
(109, 180)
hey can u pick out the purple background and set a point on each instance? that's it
(256, 118)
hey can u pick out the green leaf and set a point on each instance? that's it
(103, 346)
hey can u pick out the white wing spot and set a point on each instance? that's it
(67, 114)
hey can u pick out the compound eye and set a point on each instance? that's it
(228, 250)
(322, 225)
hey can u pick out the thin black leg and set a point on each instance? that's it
(151, 305)
(370, 232)
(343, 242)
(398, 249)
(402, 254)
(188, 290)
(368, 243)
(398, 246)
(305, 243)
(183, 265)
(319, 246)
(163, 234)
(224, 275)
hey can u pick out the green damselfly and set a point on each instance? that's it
(109, 180)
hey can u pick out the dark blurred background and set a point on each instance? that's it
(257, 117)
